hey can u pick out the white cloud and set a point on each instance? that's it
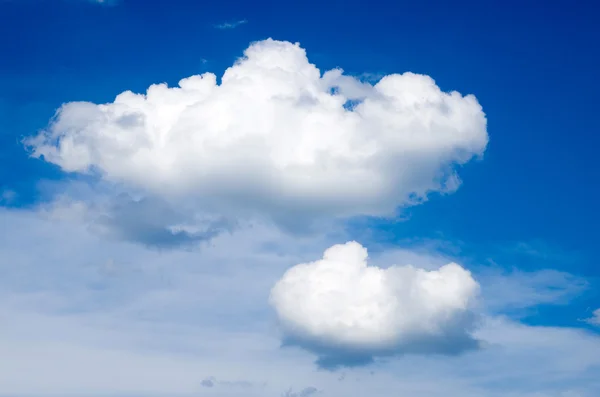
(595, 319)
(345, 310)
(84, 315)
(230, 25)
(275, 137)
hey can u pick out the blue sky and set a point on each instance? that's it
(120, 263)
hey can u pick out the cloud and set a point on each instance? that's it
(348, 313)
(306, 392)
(149, 221)
(8, 196)
(230, 25)
(595, 319)
(276, 138)
(104, 2)
(83, 316)
(153, 223)
(529, 289)
(211, 382)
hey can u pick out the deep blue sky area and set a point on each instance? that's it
(532, 65)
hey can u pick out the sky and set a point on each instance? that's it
(296, 199)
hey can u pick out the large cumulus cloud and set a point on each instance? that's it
(276, 135)
(348, 312)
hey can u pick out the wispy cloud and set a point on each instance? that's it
(8, 196)
(306, 392)
(514, 290)
(230, 25)
(595, 319)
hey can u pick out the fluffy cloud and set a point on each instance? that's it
(275, 137)
(348, 312)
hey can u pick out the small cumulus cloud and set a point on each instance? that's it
(230, 25)
(349, 313)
